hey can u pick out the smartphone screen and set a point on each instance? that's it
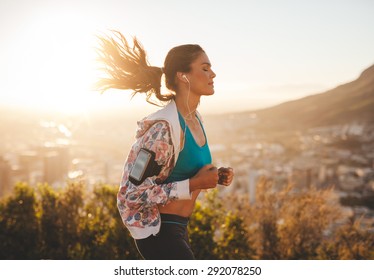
(140, 165)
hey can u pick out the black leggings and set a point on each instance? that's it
(171, 243)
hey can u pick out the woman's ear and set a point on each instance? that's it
(182, 77)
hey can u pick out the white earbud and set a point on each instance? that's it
(185, 77)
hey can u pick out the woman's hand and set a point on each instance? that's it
(226, 175)
(206, 178)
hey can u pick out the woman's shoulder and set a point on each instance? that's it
(152, 127)
(168, 112)
(165, 118)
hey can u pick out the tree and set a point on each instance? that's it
(216, 233)
(202, 227)
(234, 242)
(350, 242)
(103, 233)
(50, 224)
(291, 223)
(286, 223)
(19, 232)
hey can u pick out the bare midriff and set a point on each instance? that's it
(182, 208)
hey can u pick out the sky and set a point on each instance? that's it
(263, 52)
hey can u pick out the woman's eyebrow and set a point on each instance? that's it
(206, 63)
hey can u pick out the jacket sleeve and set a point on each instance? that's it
(130, 197)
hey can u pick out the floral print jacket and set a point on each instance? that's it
(137, 205)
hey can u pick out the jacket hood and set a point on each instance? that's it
(168, 114)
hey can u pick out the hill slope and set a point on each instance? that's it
(348, 103)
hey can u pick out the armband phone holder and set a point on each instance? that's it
(144, 166)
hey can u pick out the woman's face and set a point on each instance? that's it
(201, 76)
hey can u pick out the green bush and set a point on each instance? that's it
(63, 224)
(216, 233)
(19, 227)
(79, 223)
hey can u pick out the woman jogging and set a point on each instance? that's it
(170, 161)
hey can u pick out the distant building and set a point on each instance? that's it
(252, 184)
(27, 162)
(56, 164)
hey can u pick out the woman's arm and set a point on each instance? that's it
(131, 198)
(152, 191)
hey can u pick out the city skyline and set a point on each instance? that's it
(264, 53)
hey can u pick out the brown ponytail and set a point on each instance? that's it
(128, 68)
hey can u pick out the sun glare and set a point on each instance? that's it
(58, 68)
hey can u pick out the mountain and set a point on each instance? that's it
(348, 103)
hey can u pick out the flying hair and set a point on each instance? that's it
(127, 68)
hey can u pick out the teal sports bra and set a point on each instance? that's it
(191, 158)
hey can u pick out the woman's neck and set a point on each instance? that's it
(187, 107)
